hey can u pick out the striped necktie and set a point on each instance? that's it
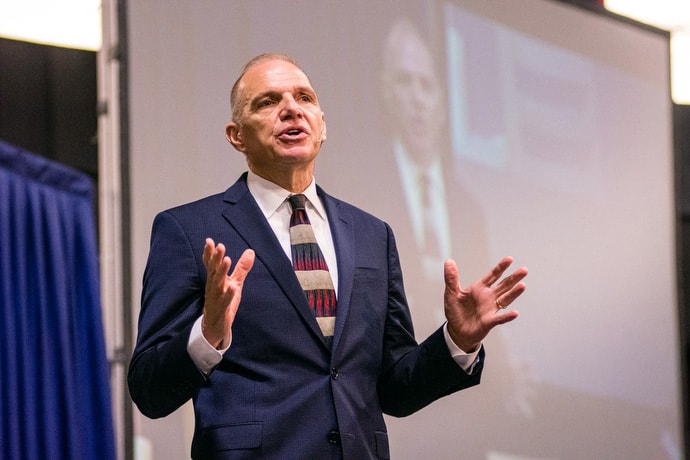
(311, 268)
(431, 244)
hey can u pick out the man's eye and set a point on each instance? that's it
(265, 103)
(306, 98)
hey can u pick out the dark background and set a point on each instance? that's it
(48, 102)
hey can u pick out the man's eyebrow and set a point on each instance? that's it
(252, 102)
(305, 89)
(273, 92)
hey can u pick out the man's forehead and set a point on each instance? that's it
(275, 74)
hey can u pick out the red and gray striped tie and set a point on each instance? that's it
(311, 268)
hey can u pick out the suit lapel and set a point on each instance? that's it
(342, 231)
(245, 216)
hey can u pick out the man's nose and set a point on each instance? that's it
(290, 108)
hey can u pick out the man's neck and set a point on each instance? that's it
(295, 181)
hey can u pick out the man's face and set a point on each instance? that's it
(281, 123)
(413, 95)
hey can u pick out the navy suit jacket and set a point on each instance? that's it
(279, 392)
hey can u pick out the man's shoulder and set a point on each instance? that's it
(341, 206)
(215, 201)
(196, 205)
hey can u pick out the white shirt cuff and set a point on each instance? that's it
(465, 360)
(204, 355)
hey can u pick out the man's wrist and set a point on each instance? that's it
(204, 354)
(462, 345)
(465, 360)
(215, 342)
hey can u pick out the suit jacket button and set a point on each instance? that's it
(334, 374)
(334, 437)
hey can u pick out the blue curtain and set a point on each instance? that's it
(54, 378)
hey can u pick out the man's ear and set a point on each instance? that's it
(323, 129)
(234, 136)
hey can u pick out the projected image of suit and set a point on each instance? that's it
(441, 219)
(417, 164)
(487, 123)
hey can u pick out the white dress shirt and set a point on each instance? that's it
(435, 211)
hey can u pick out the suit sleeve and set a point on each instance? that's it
(162, 375)
(414, 375)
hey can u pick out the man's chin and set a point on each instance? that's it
(298, 150)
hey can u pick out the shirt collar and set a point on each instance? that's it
(270, 197)
(411, 170)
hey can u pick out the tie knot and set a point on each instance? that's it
(297, 201)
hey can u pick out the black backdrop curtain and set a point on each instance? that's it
(54, 382)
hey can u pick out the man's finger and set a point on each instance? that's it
(505, 316)
(208, 251)
(496, 272)
(512, 294)
(243, 265)
(511, 280)
(219, 263)
(450, 274)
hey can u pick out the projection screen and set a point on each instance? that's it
(550, 129)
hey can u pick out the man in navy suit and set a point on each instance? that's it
(244, 343)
